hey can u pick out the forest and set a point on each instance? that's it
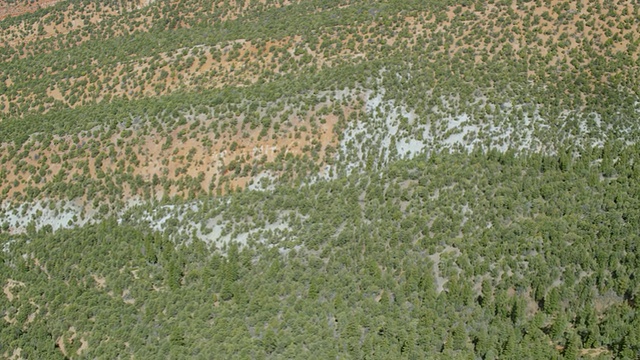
(284, 179)
(486, 255)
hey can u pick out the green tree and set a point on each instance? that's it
(571, 346)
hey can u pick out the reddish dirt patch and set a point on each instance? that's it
(206, 153)
(23, 7)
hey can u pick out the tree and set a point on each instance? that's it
(552, 301)
(558, 327)
(459, 338)
(517, 310)
(570, 351)
(269, 341)
(486, 295)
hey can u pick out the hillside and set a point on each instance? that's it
(319, 178)
(96, 91)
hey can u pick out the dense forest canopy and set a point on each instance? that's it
(481, 255)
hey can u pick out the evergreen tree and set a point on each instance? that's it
(571, 346)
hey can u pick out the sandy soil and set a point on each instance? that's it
(101, 282)
(10, 285)
(187, 157)
(7, 9)
(84, 345)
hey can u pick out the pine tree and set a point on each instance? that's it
(511, 346)
(313, 289)
(517, 310)
(149, 250)
(552, 301)
(558, 327)
(486, 297)
(570, 351)
(459, 338)
(270, 341)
